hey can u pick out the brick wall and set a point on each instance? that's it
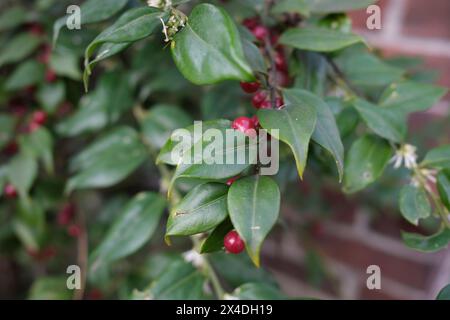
(349, 243)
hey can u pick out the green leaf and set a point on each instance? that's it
(12, 18)
(111, 98)
(410, 96)
(50, 288)
(130, 230)
(108, 160)
(22, 170)
(91, 11)
(318, 39)
(202, 209)
(326, 132)
(39, 144)
(50, 96)
(431, 243)
(334, 6)
(133, 25)
(166, 154)
(254, 205)
(20, 47)
(291, 6)
(296, 123)
(365, 162)
(8, 124)
(438, 158)
(444, 294)
(257, 291)
(209, 50)
(215, 102)
(384, 122)
(160, 121)
(179, 281)
(65, 64)
(214, 241)
(253, 56)
(443, 185)
(312, 72)
(365, 69)
(414, 204)
(210, 159)
(26, 74)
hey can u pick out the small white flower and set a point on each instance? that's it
(405, 154)
(193, 257)
(430, 178)
(228, 296)
(161, 4)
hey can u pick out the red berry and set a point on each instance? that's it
(36, 29)
(11, 148)
(50, 75)
(18, 109)
(250, 87)
(231, 180)
(260, 32)
(32, 127)
(255, 121)
(94, 294)
(251, 23)
(74, 230)
(266, 104)
(283, 79)
(259, 98)
(233, 242)
(39, 117)
(243, 124)
(44, 56)
(280, 61)
(279, 102)
(10, 191)
(66, 214)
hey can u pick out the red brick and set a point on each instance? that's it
(428, 18)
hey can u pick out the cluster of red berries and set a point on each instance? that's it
(65, 218)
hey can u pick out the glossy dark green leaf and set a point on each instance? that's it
(91, 11)
(202, 209)
(414, 204)
(312, 72)
(131, 229)
(296, 123)
(179, 281)
(50, 96)
(410, 96)
(108, 160)
(215, 103)
(365, 69)
(291, 6)
(39, 144)
(50, 288)
(333, 6)
(214, 241)
(444, 294)
(101, 107)
(443, 184)
(257, 291)
(22, 170)
(318, 39)
(158, 124)
(326, 132)
(66, 64)
(209, 50)
(438, 158)
(12, 17)
(228, 263)
(431, 243)
(254, 205)
(8, 124)
(365, 162)
(216, 157)
(253, 56)
(26, 74)
(29, 223)
(384, 122)
(134, 25)
(19, 48)
(167, 156)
